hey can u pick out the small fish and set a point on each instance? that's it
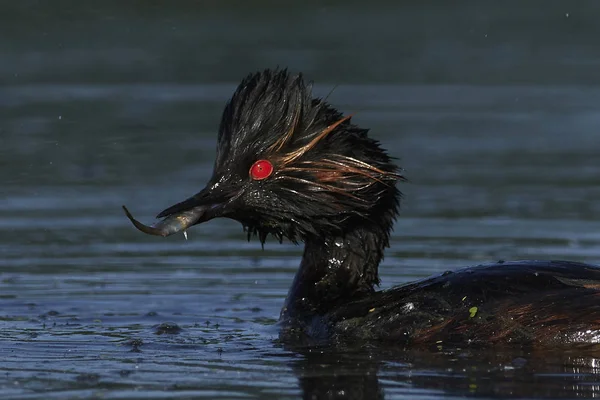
(172, 224)
(185, 235)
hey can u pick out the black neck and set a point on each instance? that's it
(335, 271)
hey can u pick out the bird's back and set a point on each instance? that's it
(533, 303)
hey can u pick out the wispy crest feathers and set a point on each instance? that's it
(326, 169)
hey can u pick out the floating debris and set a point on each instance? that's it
(472, 312)
(167, 328)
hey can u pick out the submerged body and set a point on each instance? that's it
(291, 166)
(526, 303)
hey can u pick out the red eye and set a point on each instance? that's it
(261, 169)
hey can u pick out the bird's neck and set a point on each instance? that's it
(335, 271)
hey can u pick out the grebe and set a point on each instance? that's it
(292, 166)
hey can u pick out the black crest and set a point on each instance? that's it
(327, 172)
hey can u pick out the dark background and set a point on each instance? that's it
(469, 42)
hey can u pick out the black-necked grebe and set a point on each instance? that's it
(292, 166)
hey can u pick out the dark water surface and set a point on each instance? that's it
(493, 112)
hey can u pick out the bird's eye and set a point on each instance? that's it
(261, 169)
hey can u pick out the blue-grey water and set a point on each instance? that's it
(493, 109)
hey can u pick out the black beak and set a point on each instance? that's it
(199, 208)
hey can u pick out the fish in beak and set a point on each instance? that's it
(199, 208)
